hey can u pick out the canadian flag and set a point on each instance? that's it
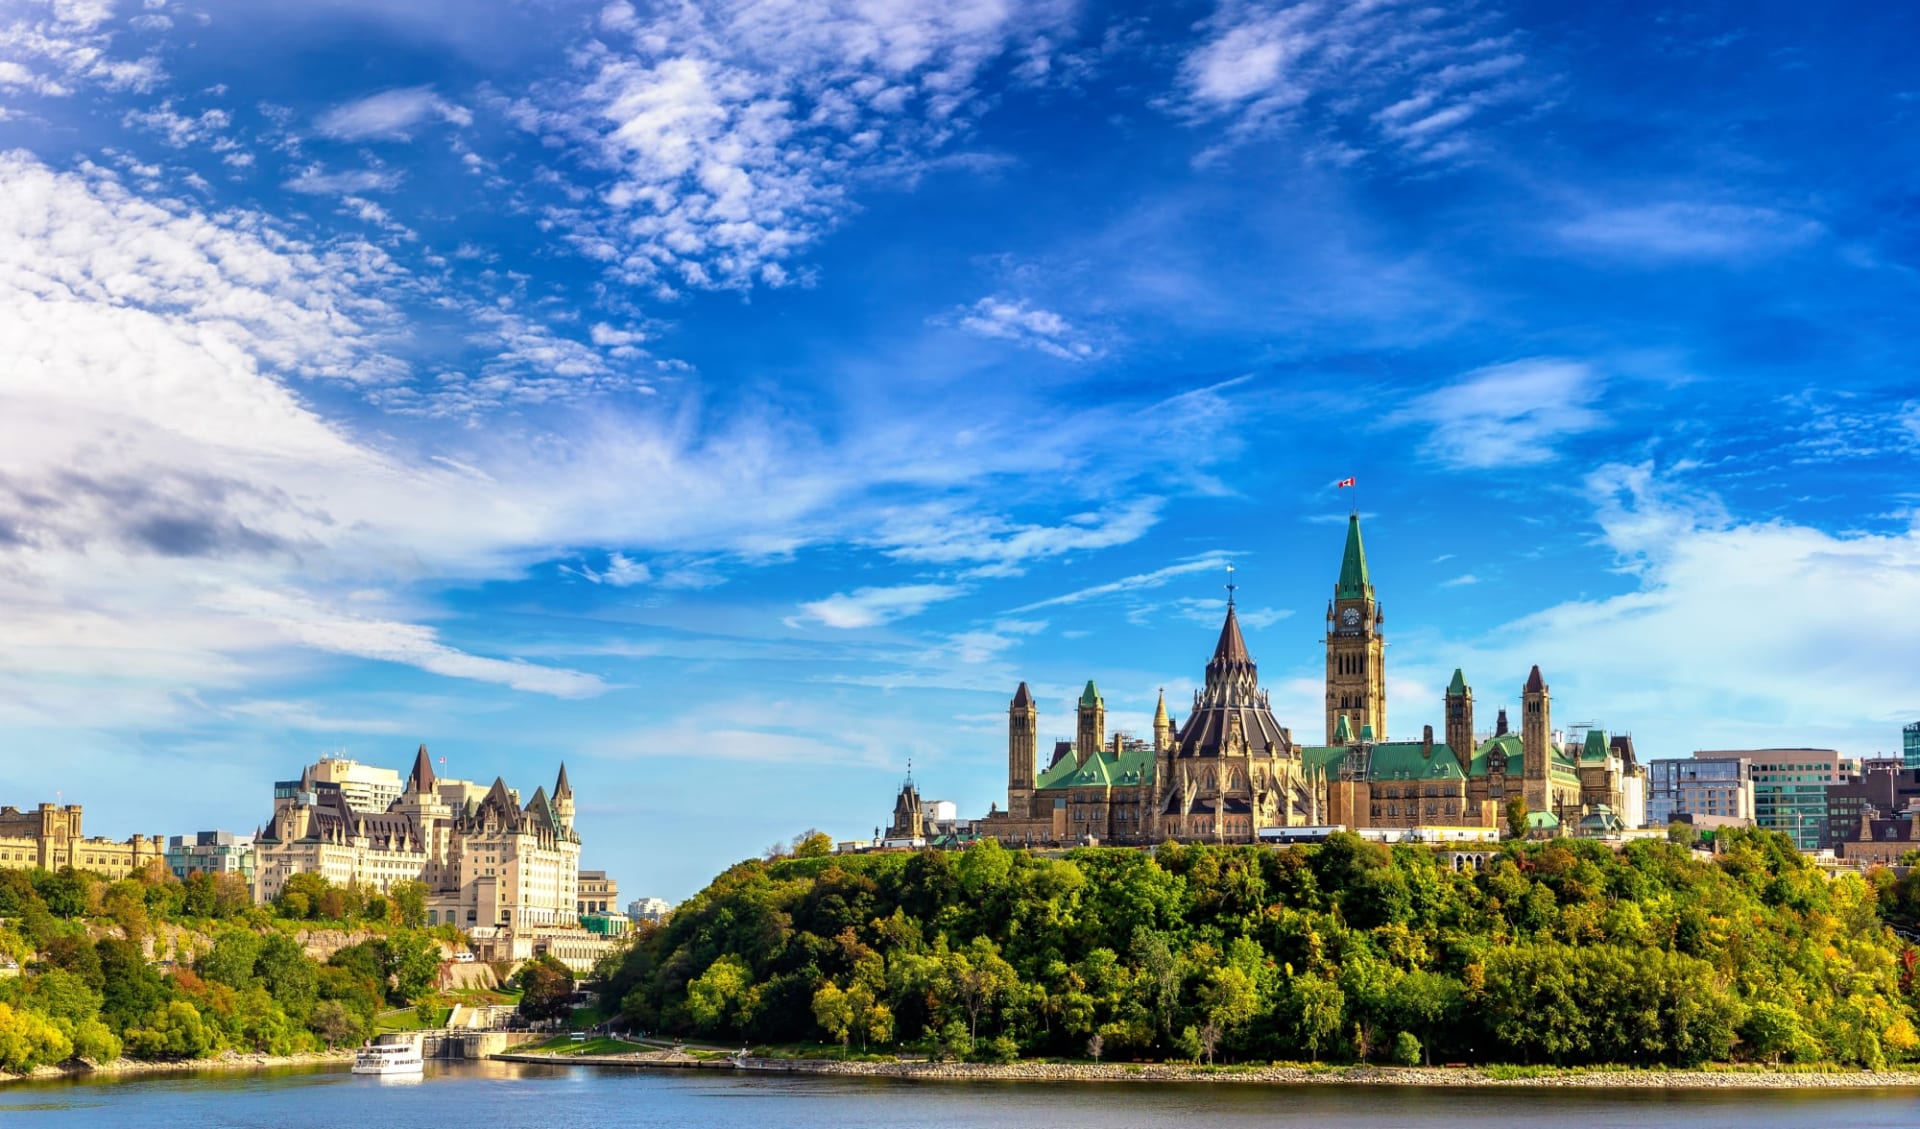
(1343, 484)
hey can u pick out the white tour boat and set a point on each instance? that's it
(389, 1054)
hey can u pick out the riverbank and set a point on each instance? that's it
(232, 1060)
(1730, 1078)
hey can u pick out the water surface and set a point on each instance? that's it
(483, 1095)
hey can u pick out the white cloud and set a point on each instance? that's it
(1507, 415)
(1406, 76)
(53, 47)
(1679, 230)
(726, 135)
(1017, 322)
(316, 181)
(1210, 562)
(872, 607)
(939, 536)
(622, 571)
(1734, 634)
(390, 115)
(1460, 581)
(179, 130)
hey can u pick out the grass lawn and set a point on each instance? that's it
(411, 1019)
(564, 1045)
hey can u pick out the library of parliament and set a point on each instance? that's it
(1230, 770)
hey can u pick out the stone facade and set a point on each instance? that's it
(506, 872)
(49, 838)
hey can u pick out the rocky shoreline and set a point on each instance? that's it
(1437, 1076)
(232, 1060)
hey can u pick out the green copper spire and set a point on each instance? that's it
(1091, 695)
(1458, 687)
(1354, 583)
(1342, 731)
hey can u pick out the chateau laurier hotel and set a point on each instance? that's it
(1231, 770)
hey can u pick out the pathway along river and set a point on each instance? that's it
(513, 1096)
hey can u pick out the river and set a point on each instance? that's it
(489, 1095)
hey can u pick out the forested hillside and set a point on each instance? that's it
(159, 969)
(1561, 953)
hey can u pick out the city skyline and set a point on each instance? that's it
(736, 405)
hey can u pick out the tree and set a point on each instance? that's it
(833, 1011)
(410, 902)
(546, 988)
(713, 999)
(1517, 818)
(1318, 1008)
(812, 844)
(412, 964)
(1095, 1044)
(1406, 1049)
(334, 1023)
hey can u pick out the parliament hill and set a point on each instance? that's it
(1232, 773)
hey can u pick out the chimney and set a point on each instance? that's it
(1500, 727)
(1426, 743)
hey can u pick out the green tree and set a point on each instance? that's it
(546, 988)
(1517, 818)
(833, 1011)
(1319, 1008)
(714, 998)
(410, 902)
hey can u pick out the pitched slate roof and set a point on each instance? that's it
(1535, 683)
(421, 778)
(1022, 698)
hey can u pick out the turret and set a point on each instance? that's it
(563, 800)
(1023, 737)
(1162, 725)
(1459, 715)
(1091, 735)
(1536, 736)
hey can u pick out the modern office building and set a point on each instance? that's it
(1685, 787)
(598, 893)
(210, 852)
(1790, 788)
(1910, 746)
(368, 789)
(648, 909)
(1883, 790)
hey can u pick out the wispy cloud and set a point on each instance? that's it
(1406, 77)
(316, 181)
(621, 571)
(1160, 577)
(872, 607)
(1013, 320)
(391, 115)
(730, 134)
(1507, 415)
(1682, 230)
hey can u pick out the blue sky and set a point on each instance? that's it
(737, 400)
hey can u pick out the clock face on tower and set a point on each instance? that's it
(1350, 619)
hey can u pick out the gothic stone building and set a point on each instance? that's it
(1231, 770)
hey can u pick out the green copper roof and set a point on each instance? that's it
(1342, 731)
(1390, 760)
(1458, 687)
(1366, 734)
(1354, 583)
(1103, 769)
(1595, 749)
(1091, 695)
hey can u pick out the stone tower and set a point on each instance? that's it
(1536, 735)
(562, 798)
(1460, 717)
(1091, 735)
(1356, 651)
(1023, 736)
(1162, 726)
